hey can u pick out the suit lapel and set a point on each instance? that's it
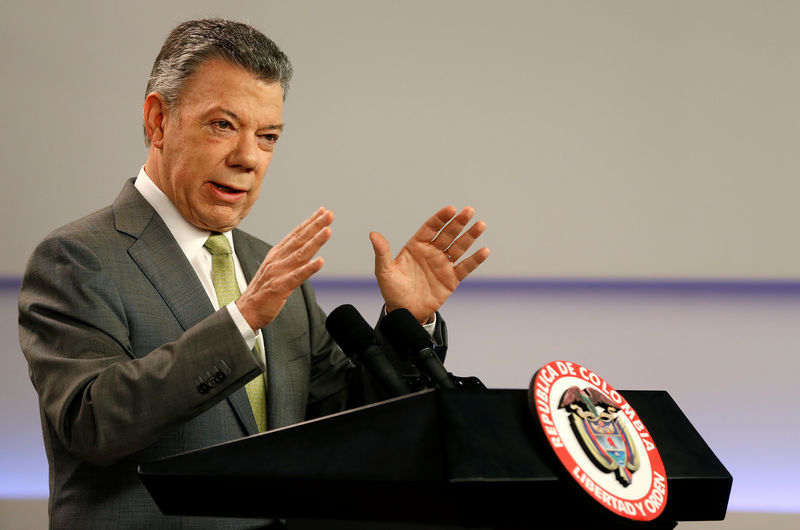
(250, 257)
(161, 259)
(163, 262)
(241, 405)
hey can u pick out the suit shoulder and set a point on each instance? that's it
(85, 227)
(92, 237)
(109, 227)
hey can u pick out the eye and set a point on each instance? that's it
(269, 138)
(222, 125)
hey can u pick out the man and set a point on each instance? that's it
(137, 341)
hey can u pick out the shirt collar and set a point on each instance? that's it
(190, 238)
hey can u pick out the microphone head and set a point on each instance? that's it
(404, 332)
(350, 331)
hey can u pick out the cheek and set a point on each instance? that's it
(195, 169)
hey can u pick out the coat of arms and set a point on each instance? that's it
(602, 436)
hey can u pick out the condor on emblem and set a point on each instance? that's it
(603, 437)
(599, 439)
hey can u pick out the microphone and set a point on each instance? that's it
(358, 340)
(406, 334)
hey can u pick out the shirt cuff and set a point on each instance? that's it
(244, 328)
(430, 328)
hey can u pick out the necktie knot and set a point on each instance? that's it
(218, 244)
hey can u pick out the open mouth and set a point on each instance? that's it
(226, 189)
(227, 194)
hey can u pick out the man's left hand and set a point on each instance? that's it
(427, 269)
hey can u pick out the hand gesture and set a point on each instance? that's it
(287, 265)
(427, 269)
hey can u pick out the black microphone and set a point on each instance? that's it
(406, 334)
(358, 340)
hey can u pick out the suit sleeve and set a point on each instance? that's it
(102, 400)
(336, 382)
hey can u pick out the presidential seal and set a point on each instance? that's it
(600, 440)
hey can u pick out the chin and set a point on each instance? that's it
(219, 223)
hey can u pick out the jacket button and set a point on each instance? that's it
(203, 388)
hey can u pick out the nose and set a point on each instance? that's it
(244, 154)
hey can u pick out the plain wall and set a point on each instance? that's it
(598, 139)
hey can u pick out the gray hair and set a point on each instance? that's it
(195, 42)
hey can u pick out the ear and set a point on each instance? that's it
(155, 116)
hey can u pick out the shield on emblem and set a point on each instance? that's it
(602, 436)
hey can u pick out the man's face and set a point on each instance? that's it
(217, 149)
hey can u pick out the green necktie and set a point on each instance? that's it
(224, 277)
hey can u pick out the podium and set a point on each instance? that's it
(461, 458)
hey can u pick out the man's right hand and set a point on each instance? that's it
(287, 265)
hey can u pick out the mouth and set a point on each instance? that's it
(227, 192)
(226, 189)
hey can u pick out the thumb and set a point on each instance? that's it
(383, 254)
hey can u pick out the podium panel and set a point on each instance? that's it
(468, 457)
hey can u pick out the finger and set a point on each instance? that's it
(434, 224)
(303, 254)
(383, 253)
(308, 230)
(446, 236)
(297, 276)
(280, 262)
(304, 232)
(471, 263)
(263, 300)
(281, 286)
(320, 211)
(460, 246)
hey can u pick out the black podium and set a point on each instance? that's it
(461, 458)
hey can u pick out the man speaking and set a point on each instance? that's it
(154, 326)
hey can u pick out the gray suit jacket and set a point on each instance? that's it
(132, 363)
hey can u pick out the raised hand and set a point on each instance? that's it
(429, 267)
(287, 265)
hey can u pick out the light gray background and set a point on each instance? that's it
(623, 141)
(615, 138)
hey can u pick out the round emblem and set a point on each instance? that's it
(599, 439)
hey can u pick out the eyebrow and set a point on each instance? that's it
(230, 113)
(233, 115)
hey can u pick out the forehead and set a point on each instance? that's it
(220, 84)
